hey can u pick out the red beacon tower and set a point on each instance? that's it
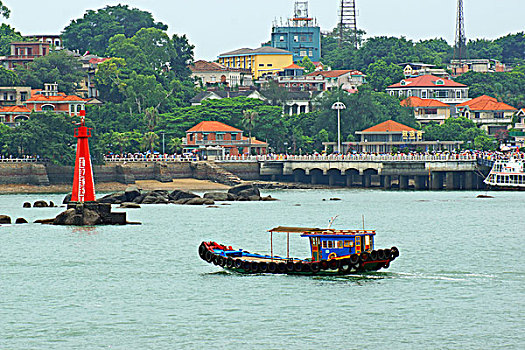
(83, 184)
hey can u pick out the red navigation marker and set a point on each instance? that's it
(83, 185)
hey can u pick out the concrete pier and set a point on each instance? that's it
(420, 182)
(403, 182)
(387, 182)
(437, 181)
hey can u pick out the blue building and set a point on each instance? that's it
(299, 35)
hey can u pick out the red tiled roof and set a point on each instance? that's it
(60, 97)
(415, 101)
(389, 126)
(333, 73)
(294, 66)
(99, 60)
(15, 109)
(255, 141)
(486, 103)
(426, 81)
(212, 126)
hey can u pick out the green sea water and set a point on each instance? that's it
(459, 282)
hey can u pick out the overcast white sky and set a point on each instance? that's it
(216, 26)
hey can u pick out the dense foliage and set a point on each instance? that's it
(460, 129)
(93, 32)
(57, 66)
(7, 36)
(508, 87)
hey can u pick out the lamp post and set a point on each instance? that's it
(338, 106)
(163, 152)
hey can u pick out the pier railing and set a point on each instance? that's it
(353, 158)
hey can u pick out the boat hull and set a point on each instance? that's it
(247, 263)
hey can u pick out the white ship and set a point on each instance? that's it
(507, 174)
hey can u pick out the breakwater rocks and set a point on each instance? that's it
(134, 196)
(89, 214)
(6, 220)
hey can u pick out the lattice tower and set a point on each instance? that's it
(460, 46)
(347, 20)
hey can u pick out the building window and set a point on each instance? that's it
(220, 137)
(205, 137)
(281, 38)
(431, 111)
(23, 96)
(261, 64)
(269, 65)
(424, 94)
(48, 108)
(458, 94)
(310, 53)
(302, 53)
(295, 38)
(499, 115)
(442, 94)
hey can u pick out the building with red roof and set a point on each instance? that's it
(12, 115)
(50, 99)
(431, 87)
(215, 74)
(427, 110)
(213, 134)
(488, 113)
(24, 52)
(519, 136)
(389, 135)
(346, 79)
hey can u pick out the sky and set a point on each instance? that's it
(217, 26)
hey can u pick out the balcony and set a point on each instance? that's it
(236, 143)
(492, 120)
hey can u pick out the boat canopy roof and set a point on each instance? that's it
(295, 229)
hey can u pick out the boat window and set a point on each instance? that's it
(330, 244)
(323, 244)
(339, 244)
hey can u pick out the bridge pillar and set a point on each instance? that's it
(451, 181)
(387, 182)
(367, 180)
(349, 180)
(296, 177)
(331, 179)
(436, 181)
(314, 178)
(403, 182)
(420, 182)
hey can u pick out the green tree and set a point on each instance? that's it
(248, 122)
(7, 36)
(151, 115)
(48, 135)
(4, 11)
(57, 66)
(175, 144)
(275, 94)
(93, 31)
(149, 141)
(380, 75)
(307, 64)
(8, 78)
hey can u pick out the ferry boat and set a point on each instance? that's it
(333, 252)
(507, 175)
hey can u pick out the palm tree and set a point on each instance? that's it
(248, 122)
(175, 144)
(152, 117)
(149, 140)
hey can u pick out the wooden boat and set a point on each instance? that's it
(334, 252)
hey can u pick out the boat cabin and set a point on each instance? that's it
(331, 244)
(327, 244)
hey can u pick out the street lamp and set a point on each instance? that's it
(338, 106)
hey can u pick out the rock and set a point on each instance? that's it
(243, 199)
(245, 190)
(139, 199)
(297, 205)
(484, 196)
(131, 193)
(225, 204)
(67, 199)
(179, 194)
(335, 199)
(200, 201)
(254, 198)
(4, 219)
(91, 218)
(40, 204)
(129, 205)
(212, 206)
(268, 199)
(51, 204)
(20, 221)
(181, 201)
(154, 199)
(113, 198)
(45, 221)
(26, 205)
(220, 196)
